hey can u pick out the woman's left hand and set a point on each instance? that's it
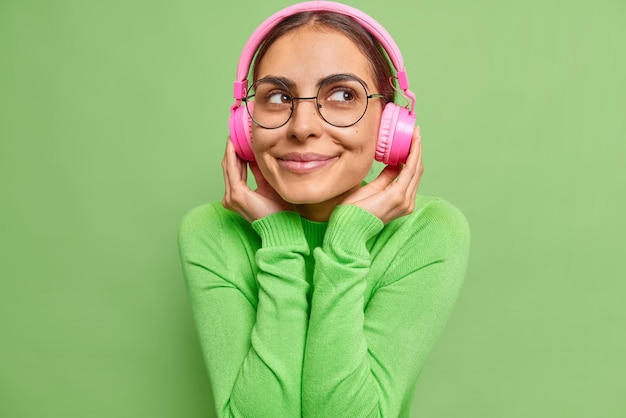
(392, 194)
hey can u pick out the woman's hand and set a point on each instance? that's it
(392, 194)
(238, 197)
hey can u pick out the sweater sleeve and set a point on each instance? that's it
(253, 348)
(364, 352)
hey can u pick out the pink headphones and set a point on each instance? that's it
(397, 122)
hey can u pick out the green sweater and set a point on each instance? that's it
(321, 319)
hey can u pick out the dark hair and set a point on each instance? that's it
(371, 48)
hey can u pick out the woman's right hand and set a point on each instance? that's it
(238, 197)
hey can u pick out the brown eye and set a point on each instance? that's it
(342, 95)
(279, 98)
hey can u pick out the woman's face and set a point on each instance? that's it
(309, 162)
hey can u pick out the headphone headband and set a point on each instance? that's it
(371, 25)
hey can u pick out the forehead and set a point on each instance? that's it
(309, 54)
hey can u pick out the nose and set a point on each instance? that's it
(305, 120)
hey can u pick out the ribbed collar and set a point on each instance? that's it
(314, 232)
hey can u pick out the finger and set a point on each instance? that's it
(243, 169)
(409, 170)
(231, 172)
(258, 176)
(415, 150)
(236, 167)
(416, 143)
(225, 166)
(235, 177)
(386, 176)
(419, 168)
(413, 170)
(226, 200)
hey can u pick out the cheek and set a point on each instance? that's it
(262, 141)
(368, 137)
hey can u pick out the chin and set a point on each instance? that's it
(303, 198)
(316, 194)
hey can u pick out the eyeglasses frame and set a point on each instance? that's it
(318, 106)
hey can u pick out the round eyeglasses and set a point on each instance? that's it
(341, 101)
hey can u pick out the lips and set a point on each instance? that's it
(305, 163)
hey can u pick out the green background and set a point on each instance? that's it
(113, 119)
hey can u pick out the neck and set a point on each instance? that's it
(320, 212)
(315, 212)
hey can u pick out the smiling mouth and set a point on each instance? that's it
(305, 163)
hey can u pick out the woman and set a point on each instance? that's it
(318, 294)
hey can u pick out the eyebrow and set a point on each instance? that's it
(333, 77)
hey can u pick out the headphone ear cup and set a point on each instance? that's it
(394, 135)
(240, 126)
